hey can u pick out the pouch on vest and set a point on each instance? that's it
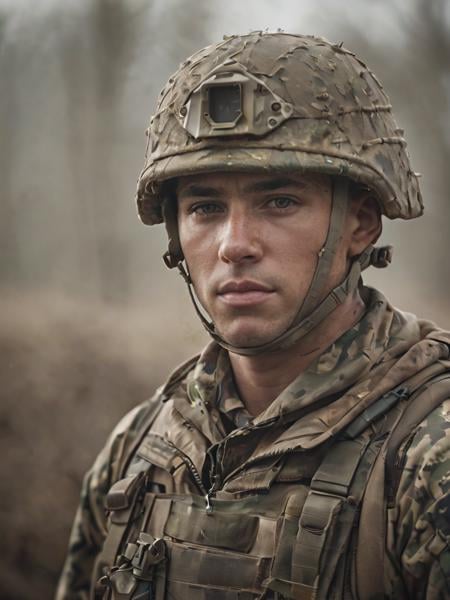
(313, 548)
(141, 571)
(123, 502)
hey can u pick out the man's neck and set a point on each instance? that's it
(261, 378)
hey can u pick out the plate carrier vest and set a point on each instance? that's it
(304, 529)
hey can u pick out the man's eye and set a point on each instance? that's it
(281, 202)
(205, 208)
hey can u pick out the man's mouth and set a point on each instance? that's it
(244, 292)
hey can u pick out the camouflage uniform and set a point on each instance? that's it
(384, 349)
(269, 507)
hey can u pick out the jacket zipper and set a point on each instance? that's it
(215, 476)
(191, 467)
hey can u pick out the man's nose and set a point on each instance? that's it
(240, 239)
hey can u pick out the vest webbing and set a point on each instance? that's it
(336, 489)
(328, 517)
(327, 520)
(318, 548)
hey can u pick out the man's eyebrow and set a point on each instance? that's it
(269, 185)
(198, 190)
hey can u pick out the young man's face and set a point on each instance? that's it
(251, 243)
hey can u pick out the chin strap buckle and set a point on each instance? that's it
(381, 257)
(149, 553)
(169, 260)
(172, 261)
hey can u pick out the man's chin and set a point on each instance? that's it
(249, 337)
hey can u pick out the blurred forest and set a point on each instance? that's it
(90, 321)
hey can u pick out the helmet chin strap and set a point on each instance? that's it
(313, 310)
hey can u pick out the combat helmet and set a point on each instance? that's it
(278, 102)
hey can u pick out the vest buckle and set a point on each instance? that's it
(150, 552)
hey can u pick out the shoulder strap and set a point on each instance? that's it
(383, 483)
(155, 407)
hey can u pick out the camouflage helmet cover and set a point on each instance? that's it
(326, 112)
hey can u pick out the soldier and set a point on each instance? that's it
(304, 453)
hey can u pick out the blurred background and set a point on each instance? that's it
(90, 320)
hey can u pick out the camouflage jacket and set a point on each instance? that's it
(201, 408)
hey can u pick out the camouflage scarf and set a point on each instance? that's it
(383, 349)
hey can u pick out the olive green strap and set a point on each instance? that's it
(317, 518)
(338, 212)
(153, 411)
(336, 297)
(327, 519)
(431, 395)
(382, 487)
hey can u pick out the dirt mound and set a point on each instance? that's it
(69, 371)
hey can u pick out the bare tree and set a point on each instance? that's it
(96, 58)
(10, 266)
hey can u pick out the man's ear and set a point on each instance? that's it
(365, 222)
